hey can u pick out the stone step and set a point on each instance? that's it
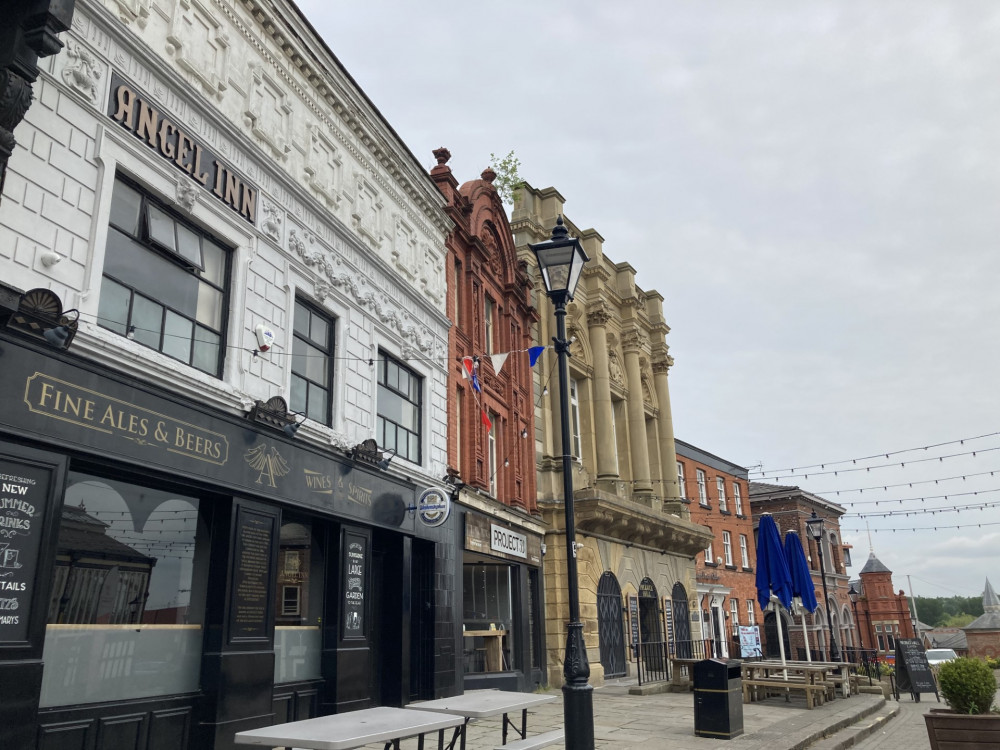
(853, 733)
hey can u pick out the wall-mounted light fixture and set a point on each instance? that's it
(39, 314)
(274, 413)
(387, 456)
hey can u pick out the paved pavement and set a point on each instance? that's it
(651, 722)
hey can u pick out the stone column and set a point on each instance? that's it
(631, 344)
(668, 487)
(604, 444)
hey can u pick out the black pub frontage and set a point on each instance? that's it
(171, 575)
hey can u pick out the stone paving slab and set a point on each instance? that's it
(666, 720)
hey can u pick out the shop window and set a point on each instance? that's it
(487, 617)
(312, 363)
(164, 281)
(128, 592)
(299, 592)
(399, 408)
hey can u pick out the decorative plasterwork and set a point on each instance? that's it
(82, 71)
(404, 249)
(632, 340)
(663, 365)
(598, 316)
(267, 112)
(432, 280)
(323, 166)
(271, 223)
(133, 11)
(199, 45)
(366, 215)
(186, 194)
(615, 364)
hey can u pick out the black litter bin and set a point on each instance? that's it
(718, 698)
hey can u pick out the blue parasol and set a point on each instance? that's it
(803, 588)
(802, 582)
(773, 576)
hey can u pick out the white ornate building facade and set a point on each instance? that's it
(224, 345)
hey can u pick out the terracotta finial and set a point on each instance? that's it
(489, 175)
(442, 155)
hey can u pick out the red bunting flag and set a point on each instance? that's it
(486, 420)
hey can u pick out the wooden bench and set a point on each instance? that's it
(815, 694)
(532, 743)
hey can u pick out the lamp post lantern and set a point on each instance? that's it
(561, 260)
(815, 528)
(854, 594)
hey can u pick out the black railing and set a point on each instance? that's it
(652, 661)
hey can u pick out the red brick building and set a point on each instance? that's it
(983, 633)
(791, 507)
(717, 493)
(491, 462)
(883, 615)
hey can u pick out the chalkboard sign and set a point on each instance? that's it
(913, 673)
(633, 616)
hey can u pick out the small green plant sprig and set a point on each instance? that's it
(508, 183)
(968, 685)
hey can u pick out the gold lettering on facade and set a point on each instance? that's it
(358, 494)
(67, 402)
(167, 146)
(318, 483)
(125, 113)
(148, 118)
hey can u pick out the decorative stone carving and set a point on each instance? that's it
(598, 317)
(82, 72)
(366, 215)
(615, 368)
(186, 194)
(632, 340)
(267, 112)
(321, 290)
(271, 224)
(323, 167)
(133, 11)
(663, 365)
(432, 280)
(647, 390)
(404, 249)
(199, 45)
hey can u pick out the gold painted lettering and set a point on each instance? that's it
(148, 117)
(184, 145)
(46, 394)
(220, 176)
(109, 416)
(249, 202)
(167, 147)
(202, 177)
(232, 190)
(125, 113)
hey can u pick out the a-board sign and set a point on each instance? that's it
(633, 616)
(913, 673)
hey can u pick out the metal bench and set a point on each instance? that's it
(532, 743)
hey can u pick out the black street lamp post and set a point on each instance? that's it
(815, 527)
(561, 260)
(854, 594)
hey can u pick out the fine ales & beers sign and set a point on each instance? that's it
(147, 121)
(58, 399)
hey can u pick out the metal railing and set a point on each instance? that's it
(652, 661)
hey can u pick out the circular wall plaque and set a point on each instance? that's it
(434, 506)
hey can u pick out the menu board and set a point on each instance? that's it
(913, 673)
(252, 575)
(633, 616)
(355, 561)
(23, 491)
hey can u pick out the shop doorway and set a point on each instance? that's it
(610, 630)
(771, 650)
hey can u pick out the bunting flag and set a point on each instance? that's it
(486, 420)
(533, 354)
(498, 360)
(470, 369)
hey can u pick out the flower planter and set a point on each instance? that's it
(947, 729)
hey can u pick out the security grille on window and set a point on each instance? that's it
(164, 281)
(399, 408)
(312, 371)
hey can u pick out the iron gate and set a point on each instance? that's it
(682, 622)
(610, 631)
(652, 655)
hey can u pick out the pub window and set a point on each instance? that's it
(312, 360)
(487, 620)
(164, 281)
(299, 602)
(399, 408)
(128, 593)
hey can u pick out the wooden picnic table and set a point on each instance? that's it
(815, 671)
(353, 729)
(479, 704)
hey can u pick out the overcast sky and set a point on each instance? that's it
(813, 187)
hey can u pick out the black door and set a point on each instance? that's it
(771, 650)
(610, 631)
(682, 621)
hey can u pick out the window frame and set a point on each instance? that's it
(734, 615)
(720, 486)
(489, 324)
(709, 554)
(142, 236)
(574, 408)
(744, 551)
(727, 548)
(386, 359)
(493, 465)
(737, 499)
(328, 348)
(751, 613)
(681, 481)
(702, 480)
